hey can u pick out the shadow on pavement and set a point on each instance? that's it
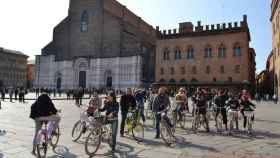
(268, 121)
(62, 152)
(122, 151)
(266, 134)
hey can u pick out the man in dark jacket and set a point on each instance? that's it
(220, 102)
(161, 104)
(127, 103)
(43, 110)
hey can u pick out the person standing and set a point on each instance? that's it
(11, 92)
(275, 98)
(220, 102)
(127, 103)
(181, 102)
(3, 94)
(160, 104)
(16, 93)
(111, 107)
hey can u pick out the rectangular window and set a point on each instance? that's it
(172, 71)
(222, 53)
(222, 69)
(183, 71)
(237, 69)
(161, 71)
(208, 53)
(208, 69)
(194, 71)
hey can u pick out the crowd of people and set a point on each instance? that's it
(158, 101)
(13, 93)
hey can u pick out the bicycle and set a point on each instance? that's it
(134, 125)
(47, 135)
(198, 119)
(101, 131)
(81, 126)
(177, 120)
(166, 131)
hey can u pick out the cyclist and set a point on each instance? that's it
(233, 103)
(161, 104)
(43, 109)
(181, 102)
(94, 104)
(246, 105)
(140, 100)
(200, 101)
(220, 102)
(127, 103)
(111, 106)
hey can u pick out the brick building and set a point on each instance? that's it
(12, 68)
(208, 56)
(275, 15)
(99, 44)
(30, 73)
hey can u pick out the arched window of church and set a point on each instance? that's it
(84, 21)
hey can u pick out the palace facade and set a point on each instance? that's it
(206, 56)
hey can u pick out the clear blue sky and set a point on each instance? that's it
(168, 13)
(28, 25)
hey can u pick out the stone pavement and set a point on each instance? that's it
(17, 141)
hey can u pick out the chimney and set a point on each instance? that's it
(245, 18)
(198, 28)
(185, 27)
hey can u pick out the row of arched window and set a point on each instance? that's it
(208, 70)
(193, 80)
(208, 52)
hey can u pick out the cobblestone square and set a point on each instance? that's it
(16, 142)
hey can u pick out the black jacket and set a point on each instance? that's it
(42, 107)
(126, 102)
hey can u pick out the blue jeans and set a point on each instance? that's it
(141, 110)
(114, 126)
(158, 120)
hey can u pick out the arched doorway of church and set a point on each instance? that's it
(82, 79)
(58, 83)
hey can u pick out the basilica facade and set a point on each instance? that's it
(100, 44)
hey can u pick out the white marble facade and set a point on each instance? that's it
(124, 72)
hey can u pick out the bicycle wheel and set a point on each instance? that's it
(93, 141)
(138, 132)
(165, 133)
(42, 146)
(78, 130)
(174, 119)
(55, 137)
